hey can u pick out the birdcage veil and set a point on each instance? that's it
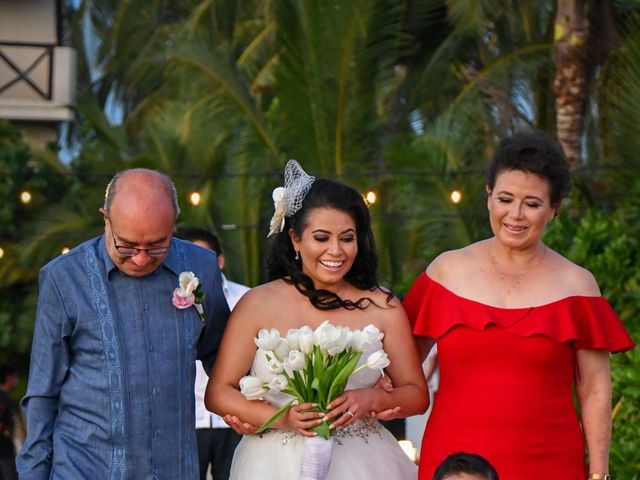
(297, 184)
(288, 200)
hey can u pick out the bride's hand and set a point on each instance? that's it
(349, 406)
(302, 417)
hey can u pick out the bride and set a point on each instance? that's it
(322, 266)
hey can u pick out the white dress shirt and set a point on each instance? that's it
(204, 418)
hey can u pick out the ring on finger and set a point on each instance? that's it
(349, 412)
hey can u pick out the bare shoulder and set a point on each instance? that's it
(578, 280)
(262, 303)
(380, 295)
(450, 265)
(387, 313)
(383, 297)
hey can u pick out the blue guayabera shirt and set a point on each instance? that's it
(110, 393)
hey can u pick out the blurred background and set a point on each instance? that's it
(403, 99)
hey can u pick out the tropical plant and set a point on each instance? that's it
(37, 175)
(405, 98)
(607, 245)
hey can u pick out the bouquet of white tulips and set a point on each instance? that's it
(313, 366)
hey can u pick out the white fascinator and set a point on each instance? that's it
(288, 200)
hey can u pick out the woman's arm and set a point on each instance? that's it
(425, 344)
(409, 391)
(234, 361)
(593, 387)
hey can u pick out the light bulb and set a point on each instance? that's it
(25, 197)
(194, 198)
(371, 197)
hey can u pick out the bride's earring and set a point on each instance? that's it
(297, 257)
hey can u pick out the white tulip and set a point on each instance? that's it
(293, 339)
(348, 335)
(260, 368)
(296, 361)
(267, 339)
(278, 383)
(373, 333)
(274, 365)
(252, 387)
(378, 360)
(367, 339)
(282, 349)
(359, 342)
(331, 339)
(307, 339)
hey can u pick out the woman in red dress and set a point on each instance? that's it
(518, 326)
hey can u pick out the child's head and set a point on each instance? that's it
(465, 466)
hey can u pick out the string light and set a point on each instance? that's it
(195, 198)
(1, 252)
(65, 250)
(25, 197)
(456, 197)
(370, 197)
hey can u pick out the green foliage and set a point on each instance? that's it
(14, 158)
(40, 174)
(607, 245)
(17, 304)
(22, 170)
(407, 98)
(625, 457)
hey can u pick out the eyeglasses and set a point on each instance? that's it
(133, 251)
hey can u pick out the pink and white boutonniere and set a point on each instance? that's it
(189, 293)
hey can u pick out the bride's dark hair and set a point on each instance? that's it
(363, 273)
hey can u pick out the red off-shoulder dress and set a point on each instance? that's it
(506, 379)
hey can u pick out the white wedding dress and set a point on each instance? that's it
(364, 450)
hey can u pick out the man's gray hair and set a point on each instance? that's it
(168, 184)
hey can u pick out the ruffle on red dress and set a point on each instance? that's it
(588, 321)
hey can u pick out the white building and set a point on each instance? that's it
(37, 73)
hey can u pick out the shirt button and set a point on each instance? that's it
(154, 391)
(151, 349)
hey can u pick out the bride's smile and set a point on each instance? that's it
(328, 247)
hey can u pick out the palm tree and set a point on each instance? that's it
(571, 46)
(406, 98)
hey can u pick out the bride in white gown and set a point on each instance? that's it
(322, 266)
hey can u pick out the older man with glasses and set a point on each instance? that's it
(117, 333)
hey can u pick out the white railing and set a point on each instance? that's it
(37, 81)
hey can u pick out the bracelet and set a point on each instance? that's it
(599, 476)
